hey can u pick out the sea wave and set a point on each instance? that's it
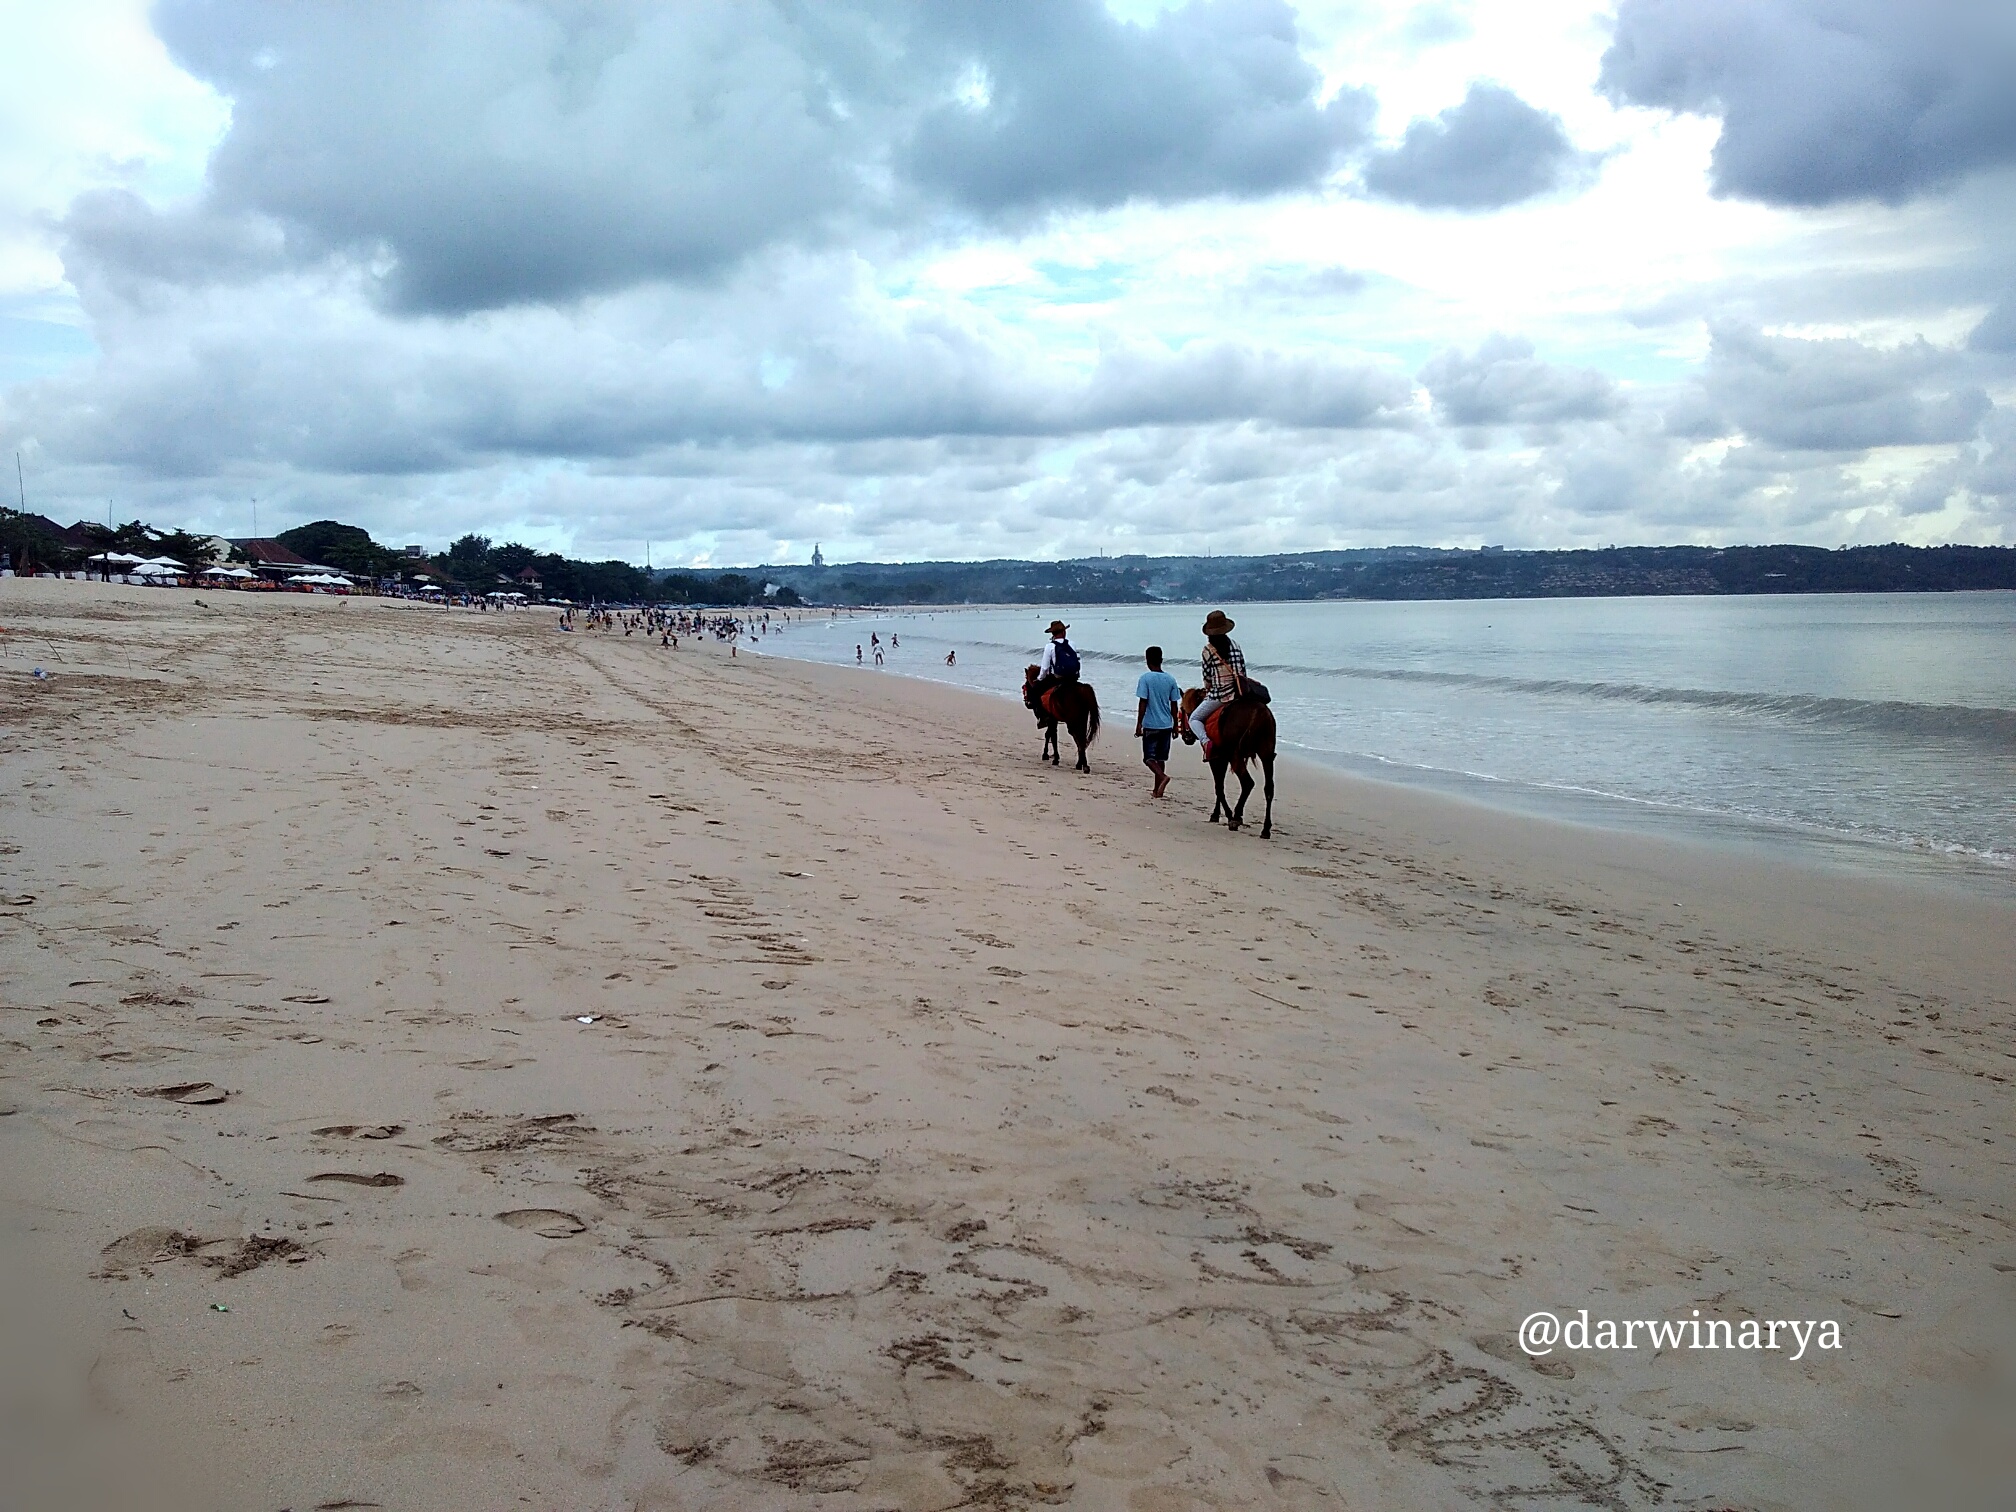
(1879, 836)
(1988, 725)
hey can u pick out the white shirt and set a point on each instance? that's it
(1048, 667)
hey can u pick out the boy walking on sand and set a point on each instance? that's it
(1155, 718)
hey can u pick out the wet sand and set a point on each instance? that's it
(946, 1130)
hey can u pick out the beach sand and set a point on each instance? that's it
(455, 1064)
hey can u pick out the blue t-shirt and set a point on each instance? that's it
(1162, 692)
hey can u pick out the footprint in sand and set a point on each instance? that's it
(359, 1131)
(145, 1246)
(547, 1223)
(360, 1178)
(191, 1094)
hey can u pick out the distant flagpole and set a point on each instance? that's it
(21, 482)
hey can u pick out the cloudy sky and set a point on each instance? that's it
(1046, 278)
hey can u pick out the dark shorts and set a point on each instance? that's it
(1155, 745)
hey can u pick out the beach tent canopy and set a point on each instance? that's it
(169, 562)
(230, 572)
(118, 558)
(328, 578)
(153, 569)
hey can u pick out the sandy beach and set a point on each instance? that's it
(455, 1064)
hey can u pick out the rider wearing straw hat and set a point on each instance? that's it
(1224, 674)
(1060, 662)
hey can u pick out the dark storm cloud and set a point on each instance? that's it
(1997, 330)
(1823, 101)
(504, 150)
(115, 242)
(1840, 395)
(1503, 383)
(1994, 475)
(480, 153)
(1490, 151)
(1066, 105)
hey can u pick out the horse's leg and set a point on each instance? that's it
(1267, 824)
(1083, 736)
(1218, 782)
(1238, 818)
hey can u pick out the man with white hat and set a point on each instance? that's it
(1059, 664)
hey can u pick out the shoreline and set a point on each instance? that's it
(598, 1074)
(1958, 871)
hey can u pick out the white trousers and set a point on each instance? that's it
(1202, 712)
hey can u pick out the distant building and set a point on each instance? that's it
(263, 553)
(818, 560)
(416, 552)
(71, 537)
(277, 563)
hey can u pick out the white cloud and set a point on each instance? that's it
(732, 278)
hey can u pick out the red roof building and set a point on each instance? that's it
(264, 553)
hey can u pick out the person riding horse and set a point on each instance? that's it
(1060, 661)
(1053, 693)
(1224, 674)
(1244, 732)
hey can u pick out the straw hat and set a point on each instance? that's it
(1215, 623)
(1058, 627)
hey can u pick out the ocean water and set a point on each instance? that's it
(1874, 730)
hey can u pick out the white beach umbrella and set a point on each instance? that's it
(162, 561)
(118, 558)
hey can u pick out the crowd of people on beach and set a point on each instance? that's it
(670, 624)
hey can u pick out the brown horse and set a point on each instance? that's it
(1071, 704)
(1245, 733)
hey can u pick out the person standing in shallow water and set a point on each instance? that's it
(1224, 671)
(1155, 719)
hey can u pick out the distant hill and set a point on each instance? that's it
(1409, 572)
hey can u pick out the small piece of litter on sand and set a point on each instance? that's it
(586, 1018)
(218, 1307)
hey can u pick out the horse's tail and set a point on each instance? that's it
(1091, 714)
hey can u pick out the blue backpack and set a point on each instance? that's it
(1065, 662)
